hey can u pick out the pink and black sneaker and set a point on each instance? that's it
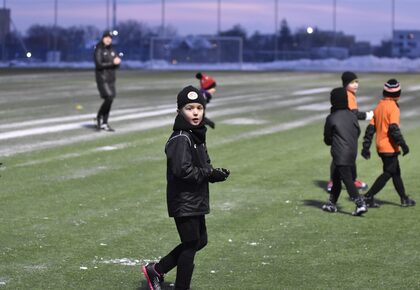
(152, 276)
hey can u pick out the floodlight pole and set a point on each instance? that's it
(55, 25)
(114, 16)
(392, 18)
(276, 28)
(107, 14)
(334, 21)
(163, 18)
(219, 16)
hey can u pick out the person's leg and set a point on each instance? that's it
(346, 174)
(382, 179)
(336, 188)
(347, 177)
(106, 108)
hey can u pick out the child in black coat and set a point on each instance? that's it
(189, 172)
(341, 132)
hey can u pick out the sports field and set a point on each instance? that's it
(81, 209)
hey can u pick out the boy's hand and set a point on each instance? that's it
(218, 175)
(369, 115)
(366, 153)
(405, 149)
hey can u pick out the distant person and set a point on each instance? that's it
(351, 84)
(106, 62)
(188, 174)
(341, 132)
(207, 88)
(389, 139)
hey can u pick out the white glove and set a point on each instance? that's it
(369, 115)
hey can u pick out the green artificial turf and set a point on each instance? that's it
(85, 214)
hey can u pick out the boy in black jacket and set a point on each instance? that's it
(341, 132)
(188, 174)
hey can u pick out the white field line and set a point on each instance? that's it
(312, 91)
(274, 129)
(133, 116)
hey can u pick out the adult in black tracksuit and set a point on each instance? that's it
(341, 132)
(106, 62)
(188, 174)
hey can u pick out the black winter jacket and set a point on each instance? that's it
(341, 132)
(105, 69)
(188, 171)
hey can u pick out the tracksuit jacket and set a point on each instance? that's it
(341, 132)
(188, 171)
(105, 70)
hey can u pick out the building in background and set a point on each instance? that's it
(406, 43)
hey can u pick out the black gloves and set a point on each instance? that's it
(218, 175)
(366, 153)
(405, 148)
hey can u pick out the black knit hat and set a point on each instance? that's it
(107, 33)
(347, 77)
(392, 88)
(338, 98)
(188, 95)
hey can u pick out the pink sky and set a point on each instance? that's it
(367, 19)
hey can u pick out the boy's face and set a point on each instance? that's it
(193, 113)
(353, 86)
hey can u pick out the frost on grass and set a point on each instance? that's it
(244, 121)
(125, 261)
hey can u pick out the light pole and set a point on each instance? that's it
(163, 18)
(392, 18)
(219, 16)
(55, 25)
(107, 15)
(334, 21)
(114, 15)
(276, 28)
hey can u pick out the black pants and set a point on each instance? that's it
(193, 234)
(104, 110)
(345, 174)
(353, 171)
(391, 169)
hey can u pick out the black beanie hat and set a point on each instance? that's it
(188, 95)
(338, 98)
(392, 88)
(347, 77)
(107, 33)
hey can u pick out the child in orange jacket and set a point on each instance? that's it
(386, 125)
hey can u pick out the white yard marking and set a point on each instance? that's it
(312, 91)
(244, 121)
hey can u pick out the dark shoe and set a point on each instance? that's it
(107, 128)
(153, 278)
(97, 122)
(406, 202)
(370, 202)
(329, 206)
(361, 207)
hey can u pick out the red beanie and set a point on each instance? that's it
(206, 82)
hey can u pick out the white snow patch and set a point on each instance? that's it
(312, 91)
(83, 268)
(253, 243)
(244, 121)
(317, 107)
(412, 88)
(126, 262)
